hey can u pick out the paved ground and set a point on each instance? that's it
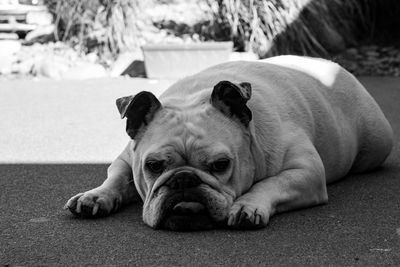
(65, 122)
(56, 140)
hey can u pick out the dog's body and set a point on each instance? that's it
(208, 154)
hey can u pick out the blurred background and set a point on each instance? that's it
(64, 62)
(99, 38)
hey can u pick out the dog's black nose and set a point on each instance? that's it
(183, 179)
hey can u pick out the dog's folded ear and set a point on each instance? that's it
(231, 98)
(139, 111)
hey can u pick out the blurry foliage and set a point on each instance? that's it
(107, 26)
(306, 27)
(267, 27)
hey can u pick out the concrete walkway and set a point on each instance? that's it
(65, 121)
(57, 138)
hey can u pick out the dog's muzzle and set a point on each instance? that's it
(182, 180)
(187, 211)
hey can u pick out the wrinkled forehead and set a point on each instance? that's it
(174, 150)
(197, 133)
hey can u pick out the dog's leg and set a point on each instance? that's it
(117, 190)
(300, 184)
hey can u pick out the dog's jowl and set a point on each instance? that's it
(239, 142)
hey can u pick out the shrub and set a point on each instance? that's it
(108, 26)
(307, 27)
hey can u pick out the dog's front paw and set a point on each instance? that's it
(97, 202)
(247, 213)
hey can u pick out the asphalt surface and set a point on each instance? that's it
(38, 172)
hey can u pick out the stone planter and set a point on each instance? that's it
(173, 61)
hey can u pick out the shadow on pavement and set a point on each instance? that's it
(360, 225)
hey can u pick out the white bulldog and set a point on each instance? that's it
(239, 142)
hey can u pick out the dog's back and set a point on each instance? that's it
(319, 96)
(354, 111)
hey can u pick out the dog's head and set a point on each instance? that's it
(191, 156)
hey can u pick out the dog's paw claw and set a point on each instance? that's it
(95, 209)
(247, 216)
(93, 203)
(257, 220)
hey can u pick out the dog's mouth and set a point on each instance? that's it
(187, 216)
(189, 208)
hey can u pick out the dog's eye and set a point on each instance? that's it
(220, 165)
(155, 166)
